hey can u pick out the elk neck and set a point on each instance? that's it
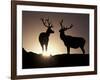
(47, 33)
(62, 35)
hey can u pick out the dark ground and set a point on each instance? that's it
(33, 60)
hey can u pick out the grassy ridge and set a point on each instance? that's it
(33, 60)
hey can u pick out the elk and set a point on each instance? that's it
(44, 36)
(70, 41)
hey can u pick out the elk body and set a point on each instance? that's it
(70, 41)
(44, 36)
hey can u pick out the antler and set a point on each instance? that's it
(61, 24)
(69, 27)
(46, 22)
(65, 28)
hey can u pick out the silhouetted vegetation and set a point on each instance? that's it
(33, 60)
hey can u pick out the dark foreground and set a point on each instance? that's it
(33, 60)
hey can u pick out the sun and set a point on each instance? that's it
(46, 54)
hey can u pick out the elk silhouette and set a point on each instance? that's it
(70, 41)
(44, 36)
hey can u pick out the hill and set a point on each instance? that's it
(33, 60)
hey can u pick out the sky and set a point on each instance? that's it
(32, 26)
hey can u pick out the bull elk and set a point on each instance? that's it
(70, 41)
(44, 36)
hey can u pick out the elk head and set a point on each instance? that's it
(64, 28)
(47, 24)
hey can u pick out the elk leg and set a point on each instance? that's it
(82, 50)
(42, 48)
(68, 50)
(46, 46)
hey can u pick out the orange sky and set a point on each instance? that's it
(32, 27)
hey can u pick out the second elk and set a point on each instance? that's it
(70, 41)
